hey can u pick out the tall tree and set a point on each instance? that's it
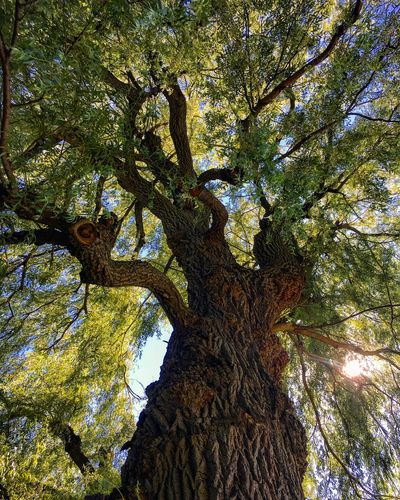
(239, 160)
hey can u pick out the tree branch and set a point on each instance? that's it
(140, 233)
(73, 446)
(315, 61)
(349, 227)
(218, 210)
(305, 139)
(306, 331)
(229, 175)
(98, 197)
(178, 129)
(373, 119)
(354, 315)
(5, 116)
(92, 244)
(36, 237)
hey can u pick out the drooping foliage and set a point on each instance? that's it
(292, 117)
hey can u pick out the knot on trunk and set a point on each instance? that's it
(91, 243)
(84, 231)
(273, 355)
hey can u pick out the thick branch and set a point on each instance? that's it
(141, 274)
(29, 205)
(218, 210)
(140, 233)
(178, 129)
(229, 175)
(130, 180)
(92, 244)
(114, 82)
(162, 167)
(36, 237)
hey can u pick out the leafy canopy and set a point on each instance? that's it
(292, 113)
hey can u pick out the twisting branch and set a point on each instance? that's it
(217, 208)
(92, 246)
(229, 175)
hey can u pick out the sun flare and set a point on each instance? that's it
(352, 368)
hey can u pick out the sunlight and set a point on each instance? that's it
(352, 368)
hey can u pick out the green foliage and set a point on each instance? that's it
(66, 352)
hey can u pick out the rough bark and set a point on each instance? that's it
(217, 424)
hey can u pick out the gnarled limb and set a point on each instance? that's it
(93, 250)
(217, 208)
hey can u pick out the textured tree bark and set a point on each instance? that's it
(217, 424)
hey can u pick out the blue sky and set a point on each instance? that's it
(147, 368)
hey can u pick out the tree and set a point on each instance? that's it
(239, 160)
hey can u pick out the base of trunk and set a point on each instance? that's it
(217, 426)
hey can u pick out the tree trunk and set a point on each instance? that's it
(218, 427)
(217, 424)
